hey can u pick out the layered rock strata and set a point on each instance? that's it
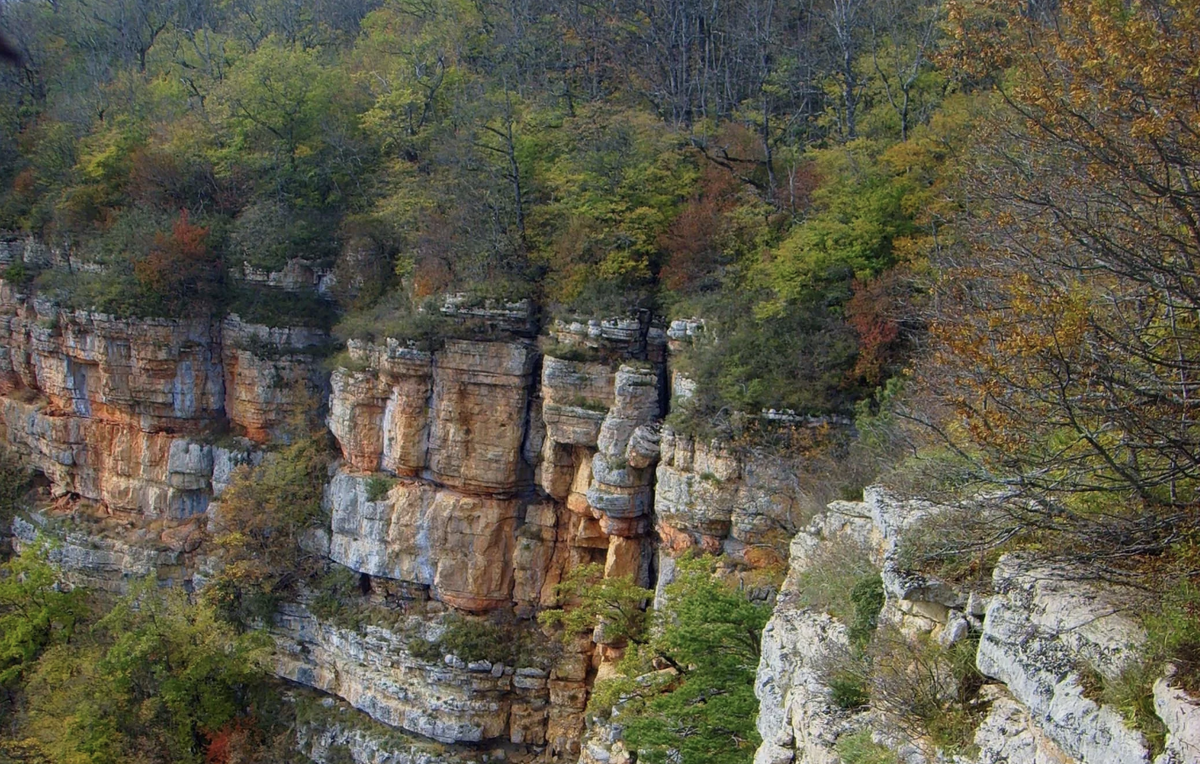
(473, 478)
(274, 379)
(721, 502)
(329, 732)
(114, 410)
(456, 417)
(375, 672)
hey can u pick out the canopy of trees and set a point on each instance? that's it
(722, 158)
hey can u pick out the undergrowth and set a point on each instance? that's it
(860, 748)
(495, 639)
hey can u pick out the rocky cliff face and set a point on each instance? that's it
(472, 478)
(1038, 630)
(505, 468)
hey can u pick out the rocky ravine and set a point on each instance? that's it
(506, 468)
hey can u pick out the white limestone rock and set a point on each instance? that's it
(797, 720)
(1181, 713)
(1008, 736)
(1038, 630)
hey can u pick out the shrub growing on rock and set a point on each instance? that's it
(686, 694)
(263, 518)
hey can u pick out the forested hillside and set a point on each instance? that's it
(768, 165)
(949, 247)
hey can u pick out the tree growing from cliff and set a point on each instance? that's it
(14, 482)
(264, 515)
(616, 605)
(686, 694)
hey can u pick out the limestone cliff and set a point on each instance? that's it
(472, 477)
(502, 468)
(1037, 629)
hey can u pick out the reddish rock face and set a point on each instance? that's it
(104, 406)
(507, 471)
(459, 545)
(458, 415)
(154, 374)
(272, 379)
(379, 413)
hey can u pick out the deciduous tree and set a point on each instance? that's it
(1067, 325)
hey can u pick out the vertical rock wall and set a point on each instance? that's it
(471, 480)
(479, 474)
(116, 411)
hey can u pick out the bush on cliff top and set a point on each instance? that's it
(495, 638)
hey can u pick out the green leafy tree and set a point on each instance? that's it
(14, 482)
(700, 706)
(611, 182)
(35, 613)
(264, 515)
(274, 98)
(616, 605)
(858, 213)
(163, 679)
(410, 59)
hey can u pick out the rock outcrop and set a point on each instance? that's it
(1180, 713)
(457, 416)
(274, 379)
(714, 500)
(1041, 632)
(330, 731)
(797, 719)
(458, 545)
(107, 555)
(375, 671)
(114, 410)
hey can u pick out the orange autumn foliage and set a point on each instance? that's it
(181, 268)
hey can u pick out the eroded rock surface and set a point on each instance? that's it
(274, 379)
(1040, 629)
(1180, 713)
(710, 498)
(459, 545)
(112, 409)
(376, 673)
(457, 416)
